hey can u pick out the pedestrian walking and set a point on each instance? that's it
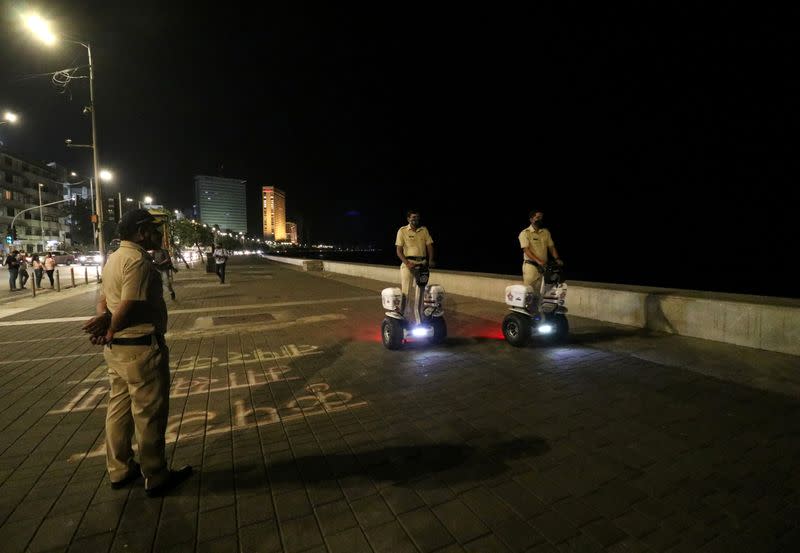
(50, 267)
(12, 264)
(38, 269)
(220, 258)
(23, 270)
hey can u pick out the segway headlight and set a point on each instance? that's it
(419, 332)
(545, 329)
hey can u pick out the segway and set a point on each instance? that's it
(427, 320)
(545, 319)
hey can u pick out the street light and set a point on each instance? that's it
(41, 30)
(148, 200)
(9, 117)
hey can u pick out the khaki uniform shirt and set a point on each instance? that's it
(413, 242)
(537, 240)
(131, 275)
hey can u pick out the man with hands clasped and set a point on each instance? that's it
(130, 323)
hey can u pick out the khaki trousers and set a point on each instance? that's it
(532, 277)
(138, 404)
(413, 296)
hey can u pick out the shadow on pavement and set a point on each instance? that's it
(405, 463)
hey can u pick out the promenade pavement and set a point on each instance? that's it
(308, 436)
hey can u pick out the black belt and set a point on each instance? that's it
(145, 340)
(416, 258)
(529, 262)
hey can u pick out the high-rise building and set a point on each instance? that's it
(291, 232)
(24, 186)
(222, 202)
(274, 208)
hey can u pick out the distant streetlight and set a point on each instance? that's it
(9, 117)
(148, 200)
(106, 175)
(41, 30)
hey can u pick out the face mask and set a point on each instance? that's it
(152, 239)
(539, 223)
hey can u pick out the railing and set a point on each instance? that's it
(69, 273)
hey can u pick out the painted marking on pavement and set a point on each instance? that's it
(320, 402)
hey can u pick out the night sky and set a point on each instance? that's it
(661, 143)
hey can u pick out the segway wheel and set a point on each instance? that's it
(392, 333)
(517, 329)
(561, 328)
(439, 330)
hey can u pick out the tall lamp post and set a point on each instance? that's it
(41, 30)
(41, 218)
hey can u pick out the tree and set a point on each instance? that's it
(230, 243)
(188, 234)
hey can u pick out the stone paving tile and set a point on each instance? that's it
(390, 538)
(262, 537)
(300, 534)
(98, 543)
(291, 505)
(486, 544)
(216, 524)
(460, 521)
(517, 534)
(55, 532)
(554, 527)
(401, 499)
(427, 533)
(219, 545)
(139, 540)
(335, 517)
(348, 541)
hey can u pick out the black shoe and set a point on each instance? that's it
(133, 474)
(174, 478)
(172, 294)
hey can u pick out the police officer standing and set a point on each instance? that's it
(131, 321)
(414, 247)
(536, 242)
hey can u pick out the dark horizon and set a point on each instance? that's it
(660, 143)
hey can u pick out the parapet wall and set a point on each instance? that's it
(755, 321)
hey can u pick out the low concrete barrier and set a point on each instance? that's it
(755, 321)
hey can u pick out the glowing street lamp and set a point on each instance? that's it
(40, 28)
(9, 117)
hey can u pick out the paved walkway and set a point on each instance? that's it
(308, 436)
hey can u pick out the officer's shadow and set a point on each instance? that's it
(399, 465)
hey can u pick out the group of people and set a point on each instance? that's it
(17, 264)
(131, 320)
(415, 247)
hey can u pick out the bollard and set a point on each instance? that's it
(58, 282)
(72, 276)
(86, 274)
(97, 273)
(33, 284)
